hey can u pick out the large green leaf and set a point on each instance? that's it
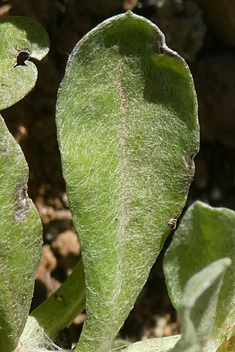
(205, 234)
(128, 132)
(22, 38)
(20, 241)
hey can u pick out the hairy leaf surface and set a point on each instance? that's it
(164, 344)
(62, 307)
(20, 241)
(22, 38)
(198, 306)
(128, 132)
(205, 235)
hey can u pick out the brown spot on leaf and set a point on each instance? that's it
(172, 223)
(189, 162)
(58, 298)
(158, 45)
(21, 203)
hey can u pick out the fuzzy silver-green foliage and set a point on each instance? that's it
(198, 306)
(21, 229)
(62, 307)
(128, 132)
(164, 344)
(20, 241)
(196, 311)
(205, 235)
(19, 34)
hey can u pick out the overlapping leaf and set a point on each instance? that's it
(21, 229)
(22, 38)
(198, 306)
(20, 241)
(205, 235)
(164, 344)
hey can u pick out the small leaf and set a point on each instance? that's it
(22, 38)
(164, 344)
(119, 345)
(196, 312)
(194, 348)
(198, 305)
(62, 307)
(20, 241)
(128, 132)
(205, 234)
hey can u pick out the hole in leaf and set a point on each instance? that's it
(22, 56)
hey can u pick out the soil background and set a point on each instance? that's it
(32, 122)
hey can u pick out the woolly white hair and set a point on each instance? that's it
(34, 339)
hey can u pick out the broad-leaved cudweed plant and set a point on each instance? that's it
(128, 132)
